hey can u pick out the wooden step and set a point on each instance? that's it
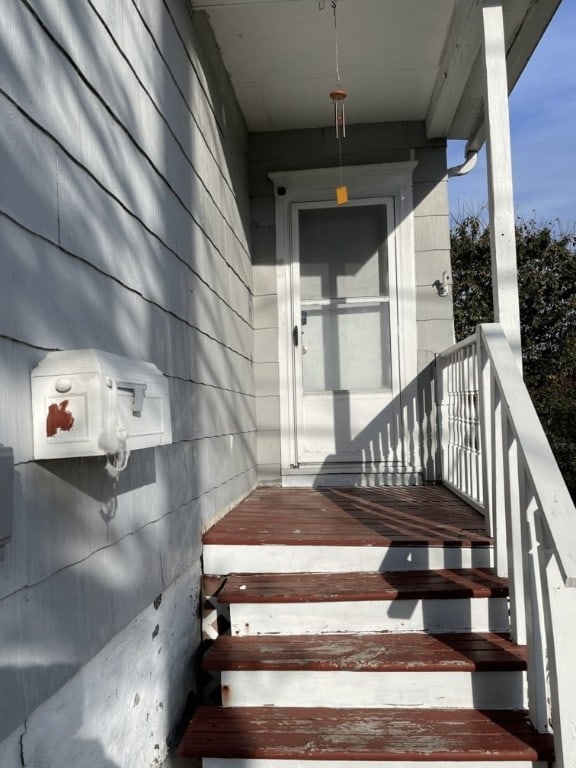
(379, 670)
(378, 652)
(348, 735)
(347, 516)
(459, 600)
(358, 529)
(321, 587)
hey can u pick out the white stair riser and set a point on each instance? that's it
(481, 690)
(222, 762)
(222, 559)
(431, 615)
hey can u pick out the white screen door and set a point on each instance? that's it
(345, 334)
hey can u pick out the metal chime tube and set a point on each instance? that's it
(338, 97)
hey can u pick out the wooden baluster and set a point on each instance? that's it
(538, 686)
(451, 422)
(461, 422)
(497, 477)
(513, 530)
(470, 485)
(486, 434)
(476, 440)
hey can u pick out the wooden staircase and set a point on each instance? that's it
(376, 635)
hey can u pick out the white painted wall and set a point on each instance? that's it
(117, 711)
(124, 227)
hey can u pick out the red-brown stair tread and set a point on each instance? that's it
(380, 652)
(334, 587)
(363, 734)
(415, 516)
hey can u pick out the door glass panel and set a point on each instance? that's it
(344, 299)
(347, 348)
(343, 252)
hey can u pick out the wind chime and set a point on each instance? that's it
(338, 96)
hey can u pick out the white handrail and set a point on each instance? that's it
(529, 512)
(545, 477)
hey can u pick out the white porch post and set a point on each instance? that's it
(500, 194)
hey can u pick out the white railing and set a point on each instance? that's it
(457, 397)
(530, 515)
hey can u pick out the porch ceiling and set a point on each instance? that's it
(399, 59)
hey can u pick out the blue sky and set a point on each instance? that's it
(543, 125)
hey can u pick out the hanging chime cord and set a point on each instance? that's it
(336, 50)
(338, 80)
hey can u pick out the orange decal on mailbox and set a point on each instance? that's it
(58, 418)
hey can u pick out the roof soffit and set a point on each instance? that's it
(400, 60)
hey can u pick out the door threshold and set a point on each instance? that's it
(348, 476)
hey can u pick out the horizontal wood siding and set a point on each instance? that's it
(124, 227)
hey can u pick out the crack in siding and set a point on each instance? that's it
(208, 384)
(163, 580)
(24, 732)
(24, 343)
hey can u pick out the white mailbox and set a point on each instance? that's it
(91, 403)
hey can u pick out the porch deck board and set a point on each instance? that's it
(380, 652)
(363, 734)
(415, 516)
(335, 587)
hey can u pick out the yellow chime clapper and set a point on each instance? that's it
(342, 195)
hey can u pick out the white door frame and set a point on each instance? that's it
(374, 397)
(364, 181)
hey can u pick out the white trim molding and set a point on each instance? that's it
(392, 180)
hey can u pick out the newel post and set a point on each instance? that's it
(559, 602)
(500, 192)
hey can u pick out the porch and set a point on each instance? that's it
(164, 159)
(378, 633)
(393, 612)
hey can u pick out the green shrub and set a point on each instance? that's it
(547, 291)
